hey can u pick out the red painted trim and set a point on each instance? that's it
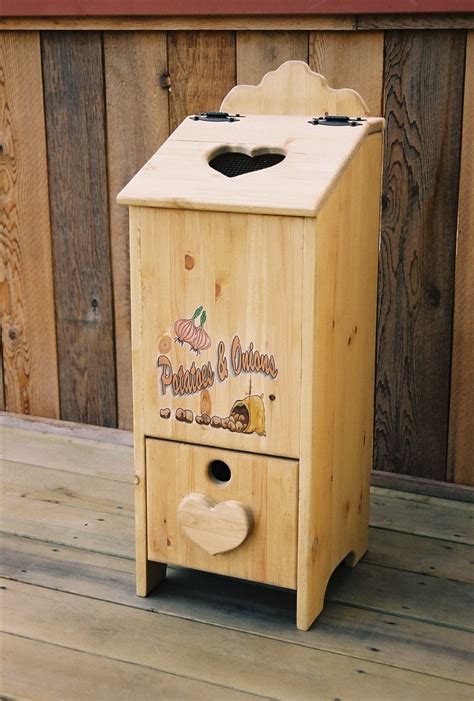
(157, 8)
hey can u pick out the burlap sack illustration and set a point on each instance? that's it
(251, 407)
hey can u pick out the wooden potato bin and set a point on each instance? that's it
(254, 242)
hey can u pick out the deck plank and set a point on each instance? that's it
(245, 606)
(412, 553)
(56, 488)
(432, 519)
(56, 523)
(206, 653)
(427, 516)
(83, 456)
(369, 586)
(68, 488)
(34, 669)
(401, 616)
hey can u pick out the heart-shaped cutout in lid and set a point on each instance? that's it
(234, 163)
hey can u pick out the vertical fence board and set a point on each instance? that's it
(137, 124)
(351, 60)
(74, 107)
(28, 331)
(2, 390)
(461, 419)
(260, 52)
(423, 95)
(202, 70)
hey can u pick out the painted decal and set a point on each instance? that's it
(194, 335)
(246, 415)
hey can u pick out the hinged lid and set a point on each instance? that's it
(264, 163)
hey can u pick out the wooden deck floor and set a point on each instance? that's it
(399, 626)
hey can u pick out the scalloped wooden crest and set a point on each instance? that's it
(294, 89)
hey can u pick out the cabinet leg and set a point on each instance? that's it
(309, 604)
(356, 554)
(149, 575)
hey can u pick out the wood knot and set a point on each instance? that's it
(205, 402)
(188, 262)
(217, 291)
(136, 479)
(12, 333)
(433, 295)
(164, 345)
(165, 81)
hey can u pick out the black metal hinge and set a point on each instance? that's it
(216, 117)
(337, 120)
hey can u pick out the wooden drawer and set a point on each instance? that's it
(266, 487)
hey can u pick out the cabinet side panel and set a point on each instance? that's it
(336, 453)
(148, 574)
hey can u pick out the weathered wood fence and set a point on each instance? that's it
(82, 110)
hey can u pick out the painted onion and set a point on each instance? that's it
(185, 329)
(201, 340)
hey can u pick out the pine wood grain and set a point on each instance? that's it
(74, 108)
(148, 574)
(293, 89)
(268, 489)
(423, 89)
(30, 365)
(351, 59)
(260, 666)
(217, 527)
(226, 263)
(377, 636)
(461, 421)
(338, 356)
(259, 52)
(202, 71)
(178, 175)
(138, 107)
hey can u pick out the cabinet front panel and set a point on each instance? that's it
(221, 321)
(265, 487)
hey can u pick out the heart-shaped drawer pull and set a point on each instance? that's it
(233, 163)
(217, 528)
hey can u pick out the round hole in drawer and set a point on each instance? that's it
(219, 472)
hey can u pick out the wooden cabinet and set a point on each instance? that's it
(254, 243)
